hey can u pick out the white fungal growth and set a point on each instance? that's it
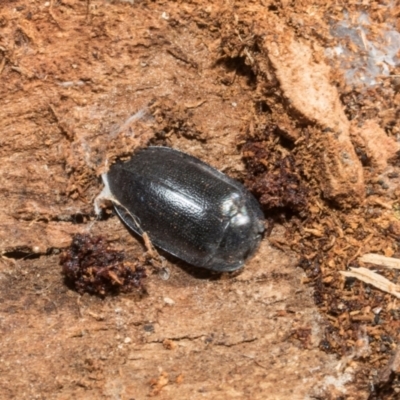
(105, 194)
(68, 84)
(126, 125)
(362, 55)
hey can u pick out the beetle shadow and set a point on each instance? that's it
(195, 272)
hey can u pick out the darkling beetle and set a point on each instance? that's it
(187, 208)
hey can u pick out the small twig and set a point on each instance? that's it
(88, 15)
(355, 255)
(149, 246)
(377, 259)
(180, 55)
(190, 106)
(78, 302)
(52, 15)
(2, 64)
(372, 278)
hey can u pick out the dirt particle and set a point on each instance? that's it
(148, 328)
(91, 266)
(273, 176)
(169, 344)
(159, 383)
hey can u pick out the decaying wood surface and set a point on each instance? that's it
(85, 82)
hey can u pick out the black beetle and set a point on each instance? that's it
(187, 208)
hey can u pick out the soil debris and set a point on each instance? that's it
(387, 381)
(157, 384)
(91, 266)
(365, 139)
(273, 174)
(374, 279)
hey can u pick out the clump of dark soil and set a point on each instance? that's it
(91, 266)
(273, 175)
